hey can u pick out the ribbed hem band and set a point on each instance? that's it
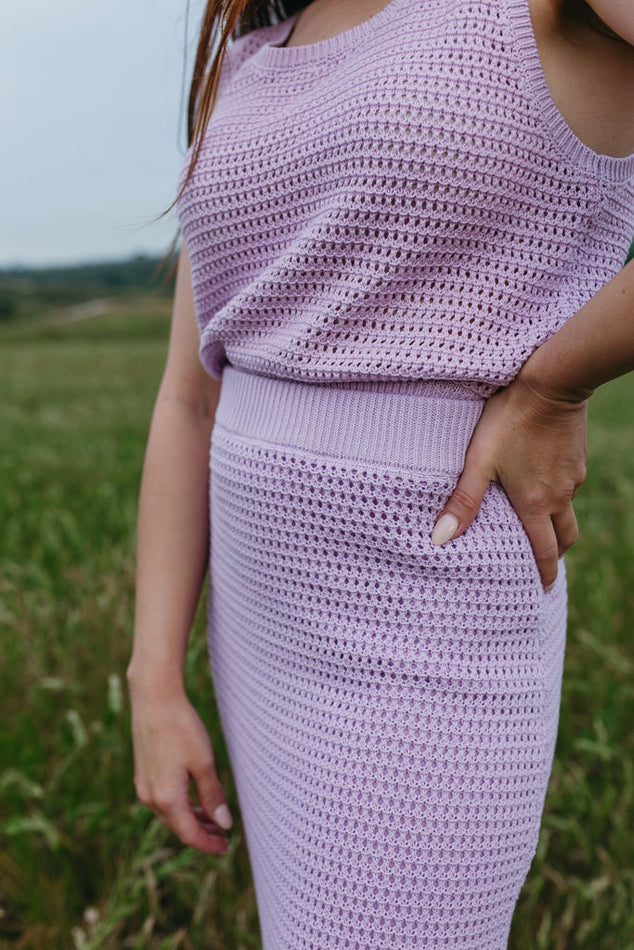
(428, 430)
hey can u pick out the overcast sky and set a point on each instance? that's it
(93, 138)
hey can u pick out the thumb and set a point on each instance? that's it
(462, 506)
(211, 796)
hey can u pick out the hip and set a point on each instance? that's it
(322, 504)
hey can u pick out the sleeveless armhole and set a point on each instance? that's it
(607, 168)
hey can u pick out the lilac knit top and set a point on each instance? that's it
(402, 201)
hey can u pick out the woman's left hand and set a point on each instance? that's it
(534, 443)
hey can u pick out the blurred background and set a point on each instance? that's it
(90, 97)
(94, 132)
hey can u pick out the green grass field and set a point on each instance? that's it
(83, 864)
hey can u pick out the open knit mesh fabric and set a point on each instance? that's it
(390, 707)
(400, 214)
(401, 201)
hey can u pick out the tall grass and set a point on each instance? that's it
(83, 864)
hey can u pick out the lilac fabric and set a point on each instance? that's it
(382, 227)
(390, 707)
(402, 201)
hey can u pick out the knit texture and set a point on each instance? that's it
(390, 707)
(382, 227)
(402, 201)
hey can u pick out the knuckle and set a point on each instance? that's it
(206, 769)
(142, 793)
(463, 499)
(567, 489)
(535, 500)
(163, 800)
(547, 555)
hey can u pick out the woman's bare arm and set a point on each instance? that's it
(531, 436)
(171, 745)
(594, 346)
(173, 518)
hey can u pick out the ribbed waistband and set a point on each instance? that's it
(428, 429)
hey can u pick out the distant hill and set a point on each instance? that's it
(25, 290)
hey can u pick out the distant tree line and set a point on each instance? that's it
(26, 290)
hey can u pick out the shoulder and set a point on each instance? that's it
(613, 19)
(589, 67)
(616, 15)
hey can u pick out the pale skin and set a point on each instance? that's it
(531, 436)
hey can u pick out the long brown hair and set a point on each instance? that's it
(222, 20)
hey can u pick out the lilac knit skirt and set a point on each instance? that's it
(390, 707)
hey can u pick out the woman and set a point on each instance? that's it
(401, 280)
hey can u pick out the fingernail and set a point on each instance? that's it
(444, 529)
(222, 816)
(550, 586)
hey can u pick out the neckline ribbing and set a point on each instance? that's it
(276, 56)
(611, 167)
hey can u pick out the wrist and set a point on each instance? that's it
(155, 680)
(544, 376)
